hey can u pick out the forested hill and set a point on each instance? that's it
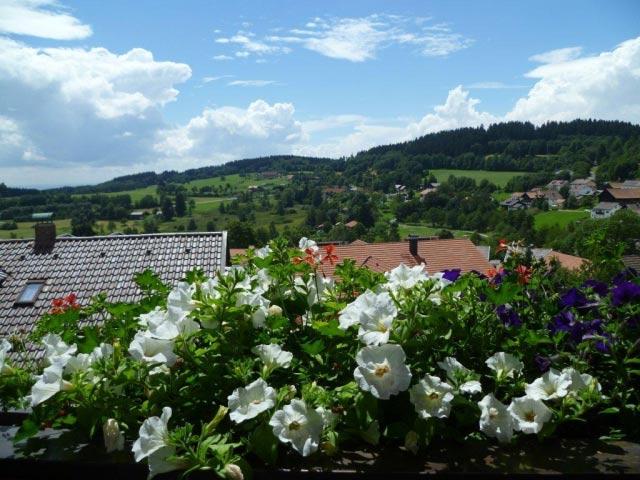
(578, 146)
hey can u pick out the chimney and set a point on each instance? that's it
(413, 245)
(45, 237)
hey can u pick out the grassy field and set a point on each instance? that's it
(237, 183)
(559, 217)
(425, 231)
(499, 179)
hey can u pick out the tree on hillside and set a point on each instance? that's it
(167, 209)
(181, 203)
(240, 235)
(82, 221)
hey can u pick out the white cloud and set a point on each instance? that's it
(493, 86)
(605, 86)
(67, 107)
(251, 83)
(357, 39)
(40, 18)
(557, 56)
(228, 133)
(222, 57)
(214, 78)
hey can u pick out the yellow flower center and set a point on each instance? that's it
(256, 402)
(493, 413)
(530, 416)
(294, 425)
(433, 395)
(381, 370)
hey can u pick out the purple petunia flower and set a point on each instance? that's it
(597, 286)
(562, 322)
(628, 273)
(451, 275)
(508, 315)
(478, 274)
(543, 363)
(625, 292)
(573, 298)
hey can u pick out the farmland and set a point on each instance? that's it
(499, 179)
(559, 217)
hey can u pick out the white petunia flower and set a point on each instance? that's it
(431, 397)
(102, 352)
(405, 277)
(316, 288)
(147, 349)
(263, 252)
(79, 363)
(263, 281)
(209, 290)
(5, 348)
(495, 419)
(181, 297)
(298, 425)
(49, 383)
(375, 323)
(250, 401)
(274, 310)
(581, 381)
(113, 437)
(56, 350)
(381, 370)
(306, 243)
(153, 444)
(273, 356)
(459, 375)
(504, 364)
(261, 305)
(550, 386)
(529, 414)
(171, 323)
(350, 315)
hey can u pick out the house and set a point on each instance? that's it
(570, 262)
(517, 201)
(331, 191)
(623, 196)
(269, 174)
(429, 188)
(436, 254)
(39, 270)
(556, 185)
(632, 261)
(604, 210)
(582, 187)
(554, 199)
(352, 224)
(136, 215)
(625, 184)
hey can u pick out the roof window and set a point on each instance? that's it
(30, 292)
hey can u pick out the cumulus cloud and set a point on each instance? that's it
(355, 39)
(228, 133)
(458, 110)
(557, 56)
(40, 18)
(605, 86)
(64, 107)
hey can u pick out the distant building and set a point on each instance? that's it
(623, 196)
(352, 224)
(570, 262)
(604, 210)
(517, 201)
(38, 270)
(582, 187)
(625, 184)
(556, 185)
(136, 215)
(269, 174)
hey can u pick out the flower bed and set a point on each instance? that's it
(272, 360)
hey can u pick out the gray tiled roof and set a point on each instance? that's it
(87, 266)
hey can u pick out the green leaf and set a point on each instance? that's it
(264, 444)
(313, 348)
(329, 329)
(610, 410)
(27, 430)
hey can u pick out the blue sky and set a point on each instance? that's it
(97, 89)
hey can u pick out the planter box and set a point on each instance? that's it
(62, 454)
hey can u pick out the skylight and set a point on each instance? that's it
(30, 292)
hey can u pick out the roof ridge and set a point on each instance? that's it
(111, 237)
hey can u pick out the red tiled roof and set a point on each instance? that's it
(437, 254)
(351, 224)
(570, 262)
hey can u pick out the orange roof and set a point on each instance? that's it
(570, 262)
(237, 251)
(437, 254)
(351, 224)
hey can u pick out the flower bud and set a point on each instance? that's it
(233, 472)
(113, 437)
(411, 441)
(275, 310)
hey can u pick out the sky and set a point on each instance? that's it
(93, 89)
